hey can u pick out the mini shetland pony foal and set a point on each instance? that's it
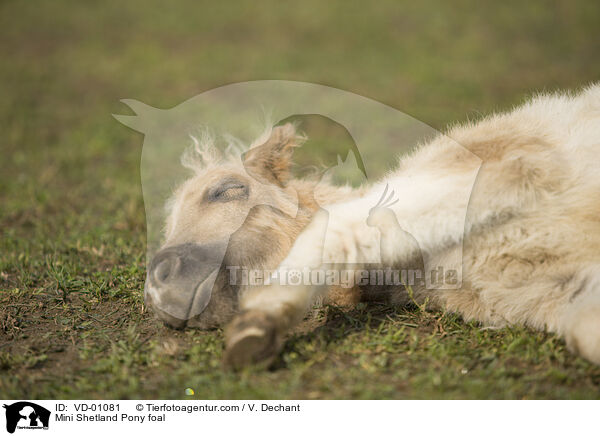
(530, 243)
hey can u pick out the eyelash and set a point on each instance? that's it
(226, 193)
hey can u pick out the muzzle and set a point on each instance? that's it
(180, 281)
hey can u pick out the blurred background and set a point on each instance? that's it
(71, 211)
(65, 66)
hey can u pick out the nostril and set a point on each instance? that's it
(166, 268)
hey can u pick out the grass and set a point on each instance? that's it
(72, 266)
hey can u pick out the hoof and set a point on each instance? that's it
(251, 339)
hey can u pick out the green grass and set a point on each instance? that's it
(72, 266)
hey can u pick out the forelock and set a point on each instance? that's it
(203, 152)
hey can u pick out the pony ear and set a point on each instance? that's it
(273, 158)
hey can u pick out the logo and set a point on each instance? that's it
(224, 129)
(26, 415)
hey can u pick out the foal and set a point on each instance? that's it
(527, 250)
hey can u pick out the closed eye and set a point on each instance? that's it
(228, 190)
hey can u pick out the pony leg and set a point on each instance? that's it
(582, 318)
(267, 313)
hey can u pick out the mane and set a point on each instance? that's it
(208, 149)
